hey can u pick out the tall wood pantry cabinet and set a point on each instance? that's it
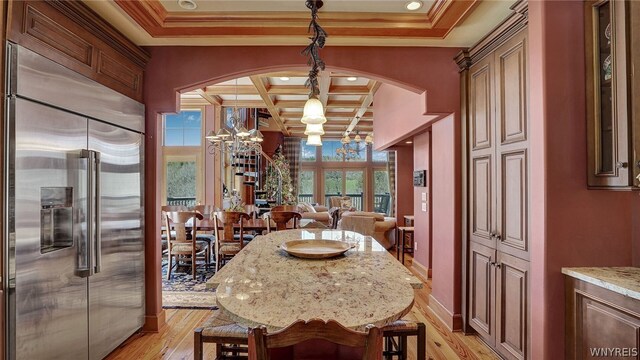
(495, 105)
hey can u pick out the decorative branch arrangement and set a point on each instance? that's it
(313, 50)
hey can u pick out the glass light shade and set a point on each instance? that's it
(369, 139)
(314, 129)
(346, 139)
(223, 133)
(313, 112)
(211, 136)
(314, 140)
(242, 131)
(357, 138)
(256, 136)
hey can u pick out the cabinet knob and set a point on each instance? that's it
(498, 237)
(492, 235)
(491, 263)
(621, 164)
(498, 265)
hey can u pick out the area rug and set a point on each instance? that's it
(183, 292)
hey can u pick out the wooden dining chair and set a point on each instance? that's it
(282, 218)
(182, 247)
(227, 245)
(206, 210)
(163, 232)
(365, 345)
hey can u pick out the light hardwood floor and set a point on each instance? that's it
(176, 339)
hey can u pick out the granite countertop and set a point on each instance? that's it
(623, 280)
(263, 285)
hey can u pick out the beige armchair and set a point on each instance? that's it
(318, 213)
(384, 227)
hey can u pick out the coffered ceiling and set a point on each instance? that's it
(347, 100)
(285, 22)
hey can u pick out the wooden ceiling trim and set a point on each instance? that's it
(324, 83)
(261, 85)
(212, 99)
(348, 90)
(366, 103)
(153, 17)
(288, 90)
(330, 104)
(231, 90)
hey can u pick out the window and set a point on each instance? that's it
(181, 183)
(381, 192)
(333, 183)
(307, 186)
(329, 148)
(354, 187)
(307, 152)
(183, 129)
(380, 156)
(361, 151)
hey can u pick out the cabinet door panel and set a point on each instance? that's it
(512, 316)
(481, 288)
(481, 105)
(513, 204)
(481, 200)
(511, 90)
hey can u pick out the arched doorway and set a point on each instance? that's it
(427, 75)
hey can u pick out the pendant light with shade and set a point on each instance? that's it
(313, 113)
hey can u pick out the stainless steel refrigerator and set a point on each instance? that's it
(74, 213)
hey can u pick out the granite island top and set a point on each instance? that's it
(623, 280)
(263, 285)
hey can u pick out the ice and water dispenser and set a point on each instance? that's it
(56, 218)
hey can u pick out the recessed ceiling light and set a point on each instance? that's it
(352, 78)
(188, 4)
(413, 5)
(284, 78)
(408, 142)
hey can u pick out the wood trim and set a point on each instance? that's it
(154, 323)
(453, 322)
(259, 83)
(158, 22)
(420, 270)
(508, 28)
(71, 34)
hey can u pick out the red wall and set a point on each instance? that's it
(446, 211)
(570, 225)
(422, 226)
(404, 183)
(404, 113)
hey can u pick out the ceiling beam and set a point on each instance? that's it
(231, 90)
(299, 104)
(364, 106)
(244, 103)
(260, 84)
(212, 99)
(324, 83)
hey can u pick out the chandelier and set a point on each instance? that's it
(351, 150)
(313, 113)
(237, 141)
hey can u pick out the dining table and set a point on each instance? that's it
(264, 285)
(208, 224)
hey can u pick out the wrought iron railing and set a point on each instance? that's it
(308, 198)
(185, 201)
(381, 203)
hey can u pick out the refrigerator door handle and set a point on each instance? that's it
(97, 213)
(85, 246)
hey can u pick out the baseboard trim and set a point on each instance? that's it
(452, 321)
(154, 323)
(420, 270)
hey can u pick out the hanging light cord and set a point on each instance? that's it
(313, 49)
